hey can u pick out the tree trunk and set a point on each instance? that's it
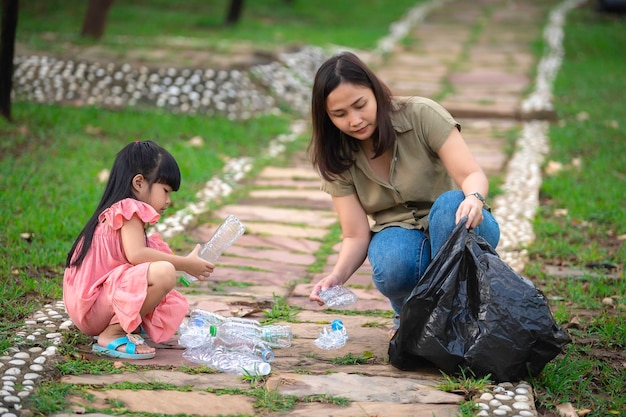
(234, 12)
(95, 20)
(7, 53)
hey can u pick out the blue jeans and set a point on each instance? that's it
(399, 257)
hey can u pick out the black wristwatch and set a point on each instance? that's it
(478, 196)
(481, 198)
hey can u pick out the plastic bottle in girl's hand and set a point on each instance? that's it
(338, 297)
(226, 234)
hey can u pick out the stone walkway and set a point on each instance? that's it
(473, 57)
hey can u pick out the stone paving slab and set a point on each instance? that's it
(384, 389)
(260, 214)
(197, 403)
(370, 409)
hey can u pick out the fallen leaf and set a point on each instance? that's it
(553, 167)
(574, 323)
(196, 142)
(582, 116)
(93, 130)
(566, 410)
(103, 175)
(608, 301)
(560, 212)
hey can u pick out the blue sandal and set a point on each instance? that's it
(131, 341)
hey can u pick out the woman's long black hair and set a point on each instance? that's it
(330, 149)
(146, 158)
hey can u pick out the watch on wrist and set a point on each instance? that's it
(478, 196)
(481, 198)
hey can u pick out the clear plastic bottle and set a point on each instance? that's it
(236, 342)
(191, 335)
(275, 335)
(338, 297)
(331, 337)
(228, 361)
(205, 318)
(194, 331)
(226, 234)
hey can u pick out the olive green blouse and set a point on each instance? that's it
(417, 175)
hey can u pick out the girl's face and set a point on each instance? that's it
(157, 195)
(352, 109)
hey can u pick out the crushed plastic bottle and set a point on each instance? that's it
(332, 337)
(225, 360)
(338, 297)
(190, 335)
(226, 234)
(275, 335)
(236, 342)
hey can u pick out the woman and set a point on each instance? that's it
(401, 161)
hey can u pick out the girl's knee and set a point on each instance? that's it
(162, 274)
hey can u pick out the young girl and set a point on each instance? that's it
(401, 161)
(118, 279)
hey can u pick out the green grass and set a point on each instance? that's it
(582, 220)
(264, 24)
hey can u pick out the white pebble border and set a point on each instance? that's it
(515, 209)
(33, 346)
(507, 400)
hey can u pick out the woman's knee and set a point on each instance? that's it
(162, 274)
(446, 205)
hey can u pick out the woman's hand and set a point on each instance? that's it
(471, 207)
(198, 267)
(327, 282)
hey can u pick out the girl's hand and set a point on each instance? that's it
(197, 266)
(327, 282)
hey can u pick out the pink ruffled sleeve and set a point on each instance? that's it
(126, 209)
(156, 242)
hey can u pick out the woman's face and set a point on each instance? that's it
(352, 108)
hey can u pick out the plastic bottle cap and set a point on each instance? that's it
(267, 355)
(213, 330)
(258, 368)
(337, 324)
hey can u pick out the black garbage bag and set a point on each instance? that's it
(470, 310)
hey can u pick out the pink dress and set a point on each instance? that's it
(107, 289)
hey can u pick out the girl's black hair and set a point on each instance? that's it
(146, 158)
(330, 149)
